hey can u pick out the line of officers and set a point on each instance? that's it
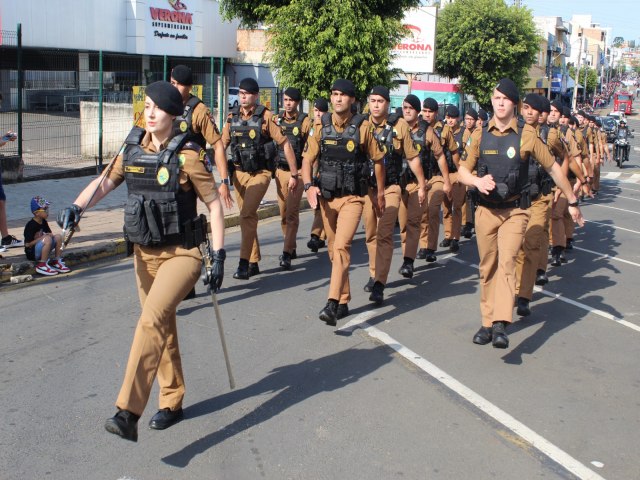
(513, 181)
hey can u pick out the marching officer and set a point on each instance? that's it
(251, 131)
(439, 183)
(470, 121)
(483, 118)
(452, 206)
(394, 136)
(501, 155)
(317, 240)
(295, 126)
(341, 142)
(165, 175)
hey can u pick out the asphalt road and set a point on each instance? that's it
(398, 391)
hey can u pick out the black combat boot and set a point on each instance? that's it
(431, 255)
(125, 424)
(541, 278)
(569, 244)
(315, 243)
(329, 313)
(422, 254)
(342, 311)
(406, 270)
(523, 307)
(285, 261)
(243, 270)
(454, 246)
(369, 285)
(499, 335)
(467, 230)
(445, 242)
(555, 256)
(377, 293)
(254, 269)
(483, 336)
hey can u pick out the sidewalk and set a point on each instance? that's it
(100, 233)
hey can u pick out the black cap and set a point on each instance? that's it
(557, 104)
(573, 120)
(382, 91)
(182, 75)
(472, 113)
(166, 97)
(566, 112)
(546, 104)
(344, 86)
(321, 104)
(582, 113)
(482, 115)
(430, 104)
(249, 85)
(509, 89)
(414, 101)
(534, 101)
(293, 93)
(452, 111)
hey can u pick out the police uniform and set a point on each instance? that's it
(250, 133)
(342, 146)
(394, 136)
(467, 205)
(452, 207)
(318, 236)
(296, 129)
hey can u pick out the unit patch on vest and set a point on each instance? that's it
(181, 160)
(351, 146)
(252, 134)
(132, 169)
(183, 126)
(296, 131)
(511, 152)
(204, 158)
(163, 176)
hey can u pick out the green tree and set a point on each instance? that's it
(618, 41)
(592, 77)
(481, 41)
(313, 42)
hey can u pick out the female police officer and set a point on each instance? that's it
(165, 174)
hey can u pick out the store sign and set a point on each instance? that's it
(415, 53)
(170, 27)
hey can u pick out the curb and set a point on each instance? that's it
(117, 247)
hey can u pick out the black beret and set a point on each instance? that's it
(566, 112)
(581, 113)
(182, 75)
(534, 101)
(546, 104)
(321, 104)
(293, 93)
(166, 97)
(557, 104)
(414, 101)
(472, 113)
(430, 104)
(482, 115)
(598, 123)
(591, 118)
(509, 89)
(452, 111)
(249, 85)
(573, 120)
(344, 86)
(382, 91)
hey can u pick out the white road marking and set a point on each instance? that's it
(605, 255)
(534, 439)
(612, 208)
(612, 226)
(580, 305)
(619, 196)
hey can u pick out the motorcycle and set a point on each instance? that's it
(621, 147)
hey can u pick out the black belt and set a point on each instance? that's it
(500, 205)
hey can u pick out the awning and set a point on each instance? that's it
(571, 83)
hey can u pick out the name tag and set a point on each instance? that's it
(490, 152)
(331, 142)
(132, 169)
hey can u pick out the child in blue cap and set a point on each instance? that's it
(39, 241)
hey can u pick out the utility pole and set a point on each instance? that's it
(577, 79)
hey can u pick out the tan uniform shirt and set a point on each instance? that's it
(202, 122)
(555, 143)
(571, 144)
(193, 171)
(431, 140)
(530, 144)
(446, 137)
(270, 128)
(402, 141)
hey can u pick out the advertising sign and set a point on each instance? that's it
(415, 53)
(169, 27)
(138, 102)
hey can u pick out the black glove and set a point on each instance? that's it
(69, 217)
(216, 272)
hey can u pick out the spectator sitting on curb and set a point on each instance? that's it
(7, 241)
(38, 240)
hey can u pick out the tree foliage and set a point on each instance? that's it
(313, 42)
(592, 77)
(481, 41)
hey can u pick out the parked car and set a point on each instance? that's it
(617, 115)
(233, 97)
(610, 127)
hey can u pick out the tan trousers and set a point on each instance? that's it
(596, 177)
(341, 217)
(289, 204)
(558, 233)
(379, 232)
(431, 216)
(452, 209)
(534, 247)
(409, 216)
(499, 234)
(250, 190)
(164, 276)
(317, 228)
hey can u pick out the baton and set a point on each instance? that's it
(216, 308)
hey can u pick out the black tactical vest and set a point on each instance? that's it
(251, 151)
(293, 131)
(540, 181)
(500, 157)
(392, 158)
(157, 209)
(184, 123)
(433, 161)
(419, 139)
(343, 166)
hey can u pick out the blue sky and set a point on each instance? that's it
(623, 16)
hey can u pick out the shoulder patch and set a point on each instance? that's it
(204, 158)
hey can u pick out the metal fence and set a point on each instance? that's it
(72, 109)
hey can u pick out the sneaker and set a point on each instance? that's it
(60, 267)
(10, 242)
(44, 269)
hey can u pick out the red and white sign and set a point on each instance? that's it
(170, 27)
(415, 53)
